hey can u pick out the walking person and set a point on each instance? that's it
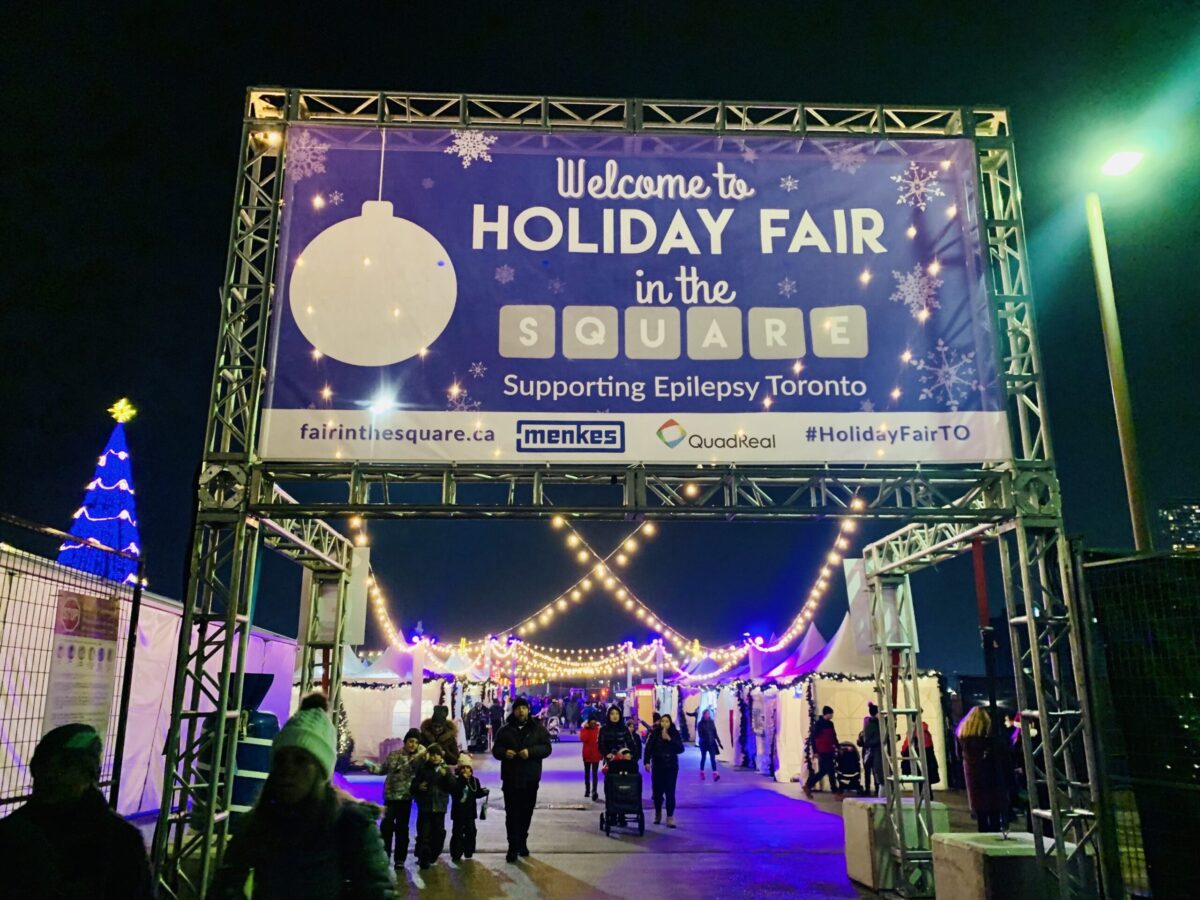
(620, 746)
(663, 746)
(985, 768)
(431, 788)
(464, 809)
(304, 839)
(709, 742)
(400, 767)
(521, 745)
(438, 729)
(823, 741)
(871, 741)
(589, 738)
(66, 842)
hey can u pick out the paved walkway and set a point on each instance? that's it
(745, 836)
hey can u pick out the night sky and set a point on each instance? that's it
(120, 154)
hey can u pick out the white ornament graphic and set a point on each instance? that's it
(336, 198)
(557, 285)
(427, 183)
(477, 370)
(373, 290)
(471, 146)
(847, 157)
(305, 157)
(787, 287)
(505, 274)
(918, 291)
(947, 375)
(916, 185)
(788, 183)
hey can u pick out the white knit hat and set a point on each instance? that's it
(311, 729)
(464, 759)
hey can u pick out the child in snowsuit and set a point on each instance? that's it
(463, 809)
(431, 788)
(400, 767)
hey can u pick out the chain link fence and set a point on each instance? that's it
(36, 594)
(1145, 613)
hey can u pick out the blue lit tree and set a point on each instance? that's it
(109, 514)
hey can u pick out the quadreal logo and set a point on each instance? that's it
(673, 434)
(570, 437)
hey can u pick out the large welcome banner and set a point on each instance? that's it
(505, 296)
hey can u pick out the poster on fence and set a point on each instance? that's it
(469, 295)
(83, 661)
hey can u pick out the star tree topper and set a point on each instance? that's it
(122, 410)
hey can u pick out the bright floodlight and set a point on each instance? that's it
(1122, 163)
(382, 403)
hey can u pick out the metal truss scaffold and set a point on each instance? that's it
(243, 501)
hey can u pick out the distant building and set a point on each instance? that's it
(1180, 522)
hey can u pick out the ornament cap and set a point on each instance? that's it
(380, 208)
(122, 410)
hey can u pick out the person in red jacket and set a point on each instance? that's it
(589, 737)
(823, 741)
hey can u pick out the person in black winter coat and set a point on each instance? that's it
(620, 747)
(464, 809)
(431, 788)
(521, 745)
(663, 746)
(709, 742)
(66, 842)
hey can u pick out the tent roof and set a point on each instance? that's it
(841, 655)
(809, 647)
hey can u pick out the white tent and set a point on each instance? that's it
(810, 646)
(843, 678)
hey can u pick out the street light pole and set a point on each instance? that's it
(1116, 374)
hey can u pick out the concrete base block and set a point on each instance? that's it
(983, 866)
(868, 860)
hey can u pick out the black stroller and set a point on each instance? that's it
(849, 769)
(622, 797)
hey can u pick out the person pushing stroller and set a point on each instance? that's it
(620, 748)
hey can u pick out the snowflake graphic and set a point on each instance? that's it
(916, 185)
(427, 183)
(305, 157)
(471, 146)
(336, 198)
(867, 406)
(458, 400)
(749, 154)
(788, 183)
(505, 274)
(787, 287)
(477, 370)
(947, 375)
(557, 285)
(918, 291)
(847, 157)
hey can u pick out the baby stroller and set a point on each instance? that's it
(849, 770)
(622, 797)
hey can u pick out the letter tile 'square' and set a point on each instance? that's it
(652, 332)
(714, 333)
(839, 331)
(590, 332)
(527, 332)
(776, 333)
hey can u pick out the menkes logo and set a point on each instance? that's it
(671, 433)
(570, 437)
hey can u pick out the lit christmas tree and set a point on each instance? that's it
(108, 515)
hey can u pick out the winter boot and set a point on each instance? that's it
(716, 776)
(657, 817)
(670, 821)
(511, 855)
(701, 774)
